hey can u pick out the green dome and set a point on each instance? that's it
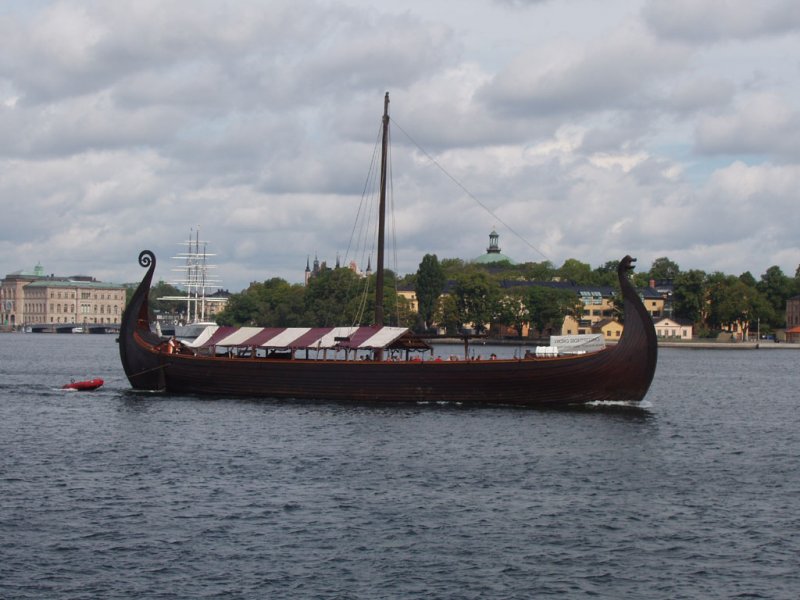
(495, 257)
(493, 254)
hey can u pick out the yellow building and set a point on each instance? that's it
(610, 329)
(411, 297)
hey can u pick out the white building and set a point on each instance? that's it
(673, 328)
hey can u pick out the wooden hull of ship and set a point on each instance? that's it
(618, 373)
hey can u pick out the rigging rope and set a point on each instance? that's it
(468, 193)
(394, 232)
(359, 236)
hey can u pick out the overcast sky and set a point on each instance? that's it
(592, 129)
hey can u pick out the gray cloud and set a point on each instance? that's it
(712, 20)
(123, 127)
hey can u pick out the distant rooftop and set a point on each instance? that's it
(38, 278)
(71, 283)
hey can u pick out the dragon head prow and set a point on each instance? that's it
(626, 264)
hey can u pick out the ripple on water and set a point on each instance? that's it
(126, 495)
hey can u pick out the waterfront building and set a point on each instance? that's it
(599, 308)
(215, 303)
(30, 298)
(673, 328)
(609, 328)
(793, 319)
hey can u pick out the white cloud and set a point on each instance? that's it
(764, 124)
(592, 130)
(572, 77)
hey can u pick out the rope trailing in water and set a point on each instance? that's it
(148, 370)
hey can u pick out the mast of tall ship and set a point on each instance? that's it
(382, 216)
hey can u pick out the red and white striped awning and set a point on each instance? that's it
(298, 337)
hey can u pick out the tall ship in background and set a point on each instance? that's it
(196, 277)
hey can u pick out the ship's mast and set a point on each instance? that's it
(195, 278)
(382, 216)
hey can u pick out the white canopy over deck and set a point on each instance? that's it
(312, 338)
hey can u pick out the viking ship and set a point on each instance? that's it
(377, 363)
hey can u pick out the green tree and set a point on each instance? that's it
(748, 279)
(730, 301)
(447, 314)
(549, 306)
(476, 296)
(606, 274)
(241, 309)
(777, 288)
(689, 296)
(537, 271)
(664, 268)
(429, 285)
(512, 310)
(576, 271)
(273, 303)
(396, 309)
(336, 297)
(175, 308)
(452, 267)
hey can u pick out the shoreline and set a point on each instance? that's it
(710, 345)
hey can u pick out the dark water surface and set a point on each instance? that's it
(116, 494)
